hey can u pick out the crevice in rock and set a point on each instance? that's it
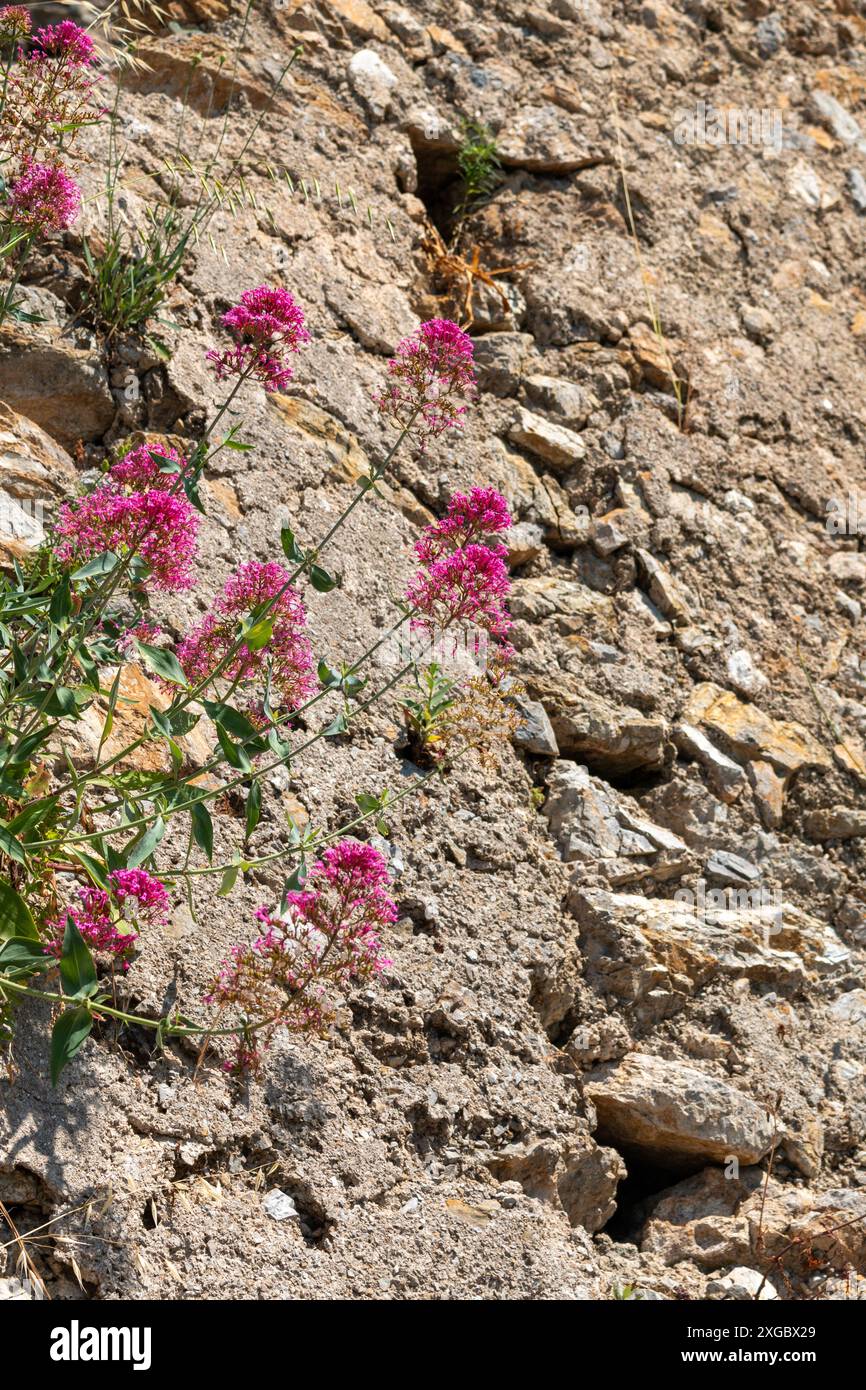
(645, 1180)
(438, 185)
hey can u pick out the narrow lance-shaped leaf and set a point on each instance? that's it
(77, 970)
(70, 1033)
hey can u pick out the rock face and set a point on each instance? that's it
(611, 741)
(652, 915)
(34, 475)
(751, 734)
(718, 1221)
(63, 388)
(676, 1115)
(651, 954)
(592, 825)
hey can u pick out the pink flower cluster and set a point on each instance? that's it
(327, 938)
(159, 527)
(15, 25)
(432, 376)
(286, 657)
(107, 921)
(266, 324)
(482, 513)
(141, 468)
(461, 580)
(43, 199)
(67, 43)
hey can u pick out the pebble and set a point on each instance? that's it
(279, 1205)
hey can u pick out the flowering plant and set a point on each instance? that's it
(48, 81)
(80, 842)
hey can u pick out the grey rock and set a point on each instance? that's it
(724, 775)
(770, 35)
(675, 1113)
(593, 824)
(499, 358)
(728, 868)
(535, 733)
(563, 398)
(279, 1205)
(857, 189)
(559, 447)
(744, 1284)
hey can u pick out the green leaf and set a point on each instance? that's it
(16, 918)
(69, 1035)
(101, 564)
(234, 754)
(321, 580)
(95, 870)
(27, 747)
(11, 847)
(164, 663)
(145, 845)
(29, 818)
(259, 635)
(229, 879)
(202, 828)
(21, 957)
(62, 702)
(328, 677)
(61, 601)
(291, 549)
(336, 727)
(231, 719)
(77, 970)
(254, 807)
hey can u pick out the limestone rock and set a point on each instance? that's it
(580, 1178)
(559, 397)
(34, 475)
(675, 1114)
(652, 953)
(534, 734)
(610, 741)
(137, 693)
(668, 595)
(716, 1221)
(750, 734)
(373, 80)
(545, 139)
(558, 446)
(62, 388)
(837, 823)
(593, 824)
(724, 775)
(377, 315)
(769, 789)
(499, 358)
(744, 1284)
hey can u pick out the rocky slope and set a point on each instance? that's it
(584, 1059)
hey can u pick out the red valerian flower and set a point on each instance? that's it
(431, 378)
(266, 324)
(286, 657)
(326, 939)
(159, 527)
(43, 199)
(107, 921)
